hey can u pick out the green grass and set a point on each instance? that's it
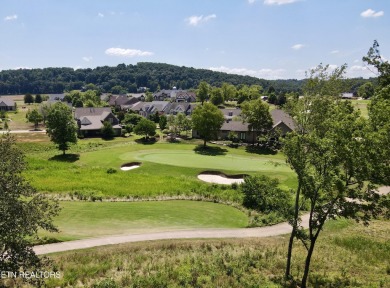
(347, 255)
(362, 106)
(79, 220)
(88, 175)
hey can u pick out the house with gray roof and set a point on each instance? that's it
(184, 96)
(7, 104)
(229, 114)
(282, 123)
(181, 107)
(121, 101)
(90, 120)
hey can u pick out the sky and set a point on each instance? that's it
(270, 39)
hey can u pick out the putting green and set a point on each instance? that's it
(183, 158)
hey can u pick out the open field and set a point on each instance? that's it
(347, 255)
(79, 220)
(362, 106)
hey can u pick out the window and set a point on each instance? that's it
(242, 135)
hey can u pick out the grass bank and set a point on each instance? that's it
(79, 220)
(347, 255)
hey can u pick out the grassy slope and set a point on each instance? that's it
(93, 219)
(347, 255)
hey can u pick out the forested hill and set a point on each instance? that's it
(127, 78)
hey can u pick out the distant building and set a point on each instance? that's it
(7, 104)
(347, 96)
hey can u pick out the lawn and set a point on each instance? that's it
(79, 220)
(347, 255)
(362, 106)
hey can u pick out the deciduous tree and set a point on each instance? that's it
(207, 120)
(61, 126)
(203, 91)
(34, 117)
(330, 153)
(256, 114)
(28, 98)
(23, 211)
(145, 127)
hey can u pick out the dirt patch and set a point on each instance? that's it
(217, 177)
(130, 166)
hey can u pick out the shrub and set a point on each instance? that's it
(262, 194)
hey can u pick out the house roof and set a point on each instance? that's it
(91, 111)
(237, 126)
(7, 102)
(118, 100)
(230, 113)
(281, 116)
(93, 118)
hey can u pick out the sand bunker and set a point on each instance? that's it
(220, 178)
(130, 166)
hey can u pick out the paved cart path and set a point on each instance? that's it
(275, 230)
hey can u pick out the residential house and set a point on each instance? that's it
(184, 96)
(164, 95)
(121, 102)
(90, 120)
(181, 107)
(175, 95)
(146, 109)
(282, 122)
(229, 114)
(7, 104)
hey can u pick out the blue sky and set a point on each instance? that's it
(272, 39)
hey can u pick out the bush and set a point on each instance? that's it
(262, 194)
(107, 130)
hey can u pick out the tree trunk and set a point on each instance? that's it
(204, 143)
(63, 152)
(293, 232)
(307, 263)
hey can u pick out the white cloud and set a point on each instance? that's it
(196, 20)
(127, 52)
(297, 46)
(335, 52)
(361, 71)
(278, 2)
(101, 15)
(87, 59)
(251, 1)
(11, 17)
(262, 73)
(21, 67)
(369, 13)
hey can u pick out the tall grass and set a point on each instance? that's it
(340, 260)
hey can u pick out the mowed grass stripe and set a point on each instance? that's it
(79, 220)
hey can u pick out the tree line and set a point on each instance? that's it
(129, 78)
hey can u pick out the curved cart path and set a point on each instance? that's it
(275, 230)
